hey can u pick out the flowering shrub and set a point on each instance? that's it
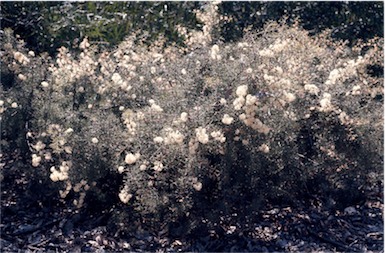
(169, 131)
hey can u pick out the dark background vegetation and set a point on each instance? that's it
(45, 26)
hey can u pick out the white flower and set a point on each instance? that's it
(215, 52)
(94, 140)
(356, 90)
(22, 77)
(131, 158)
(279, 45)
(14, 105)
(197, 186)
(242, 116)
(241, 91)
(174, 137)
(21, 58)
(266, 53)
(58, 176)
(184, 72)
(264, 148)
(183, 117)
(279, 70)
(44, 84)
(218, 136)
(39, 146)
(84, 44)
(156, 108)
(201, 135)
(238, 103)
(250, 99)
(36, 160)
(312, 89)
(333, 76)
(121, 169)
(290, 97)
(124, 196)
(158, 166)
(227, 120)
(325, 102)
(158, 139)
(116, 78)
(69, 131)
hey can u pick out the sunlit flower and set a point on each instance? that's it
(227, 120)
(158, 139)
(124, 195)
(312, 89)
(44, 84)
(22, 77)
(183, 117)
(201, 135)
(36, 160)
(241, 91)
(158, 166)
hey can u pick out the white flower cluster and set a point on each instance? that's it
(249, 103)
(311, 89)
(202, 135)
(158, 166)
(128, 117)
(59, 138)
(344, 118)
(227, 120)
(218, 136)
(21, 58)
(84, 44)
(39, 146)
(154, 107)
(12, 104)
(184, 117)
(349, 70)
(58, 144)
(240, 100)
(173, 137)
(132, 158)
(289, 97)
(36, 160)
(325, 103)
(278, 46)
(214, 53)
(356, 90)
(2, 109)
(264, 148)
(69, 69)
(196, 184)
(125, 195)
(60, 174)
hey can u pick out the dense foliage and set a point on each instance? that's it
(162, 133)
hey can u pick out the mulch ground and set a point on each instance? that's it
(29, 225)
